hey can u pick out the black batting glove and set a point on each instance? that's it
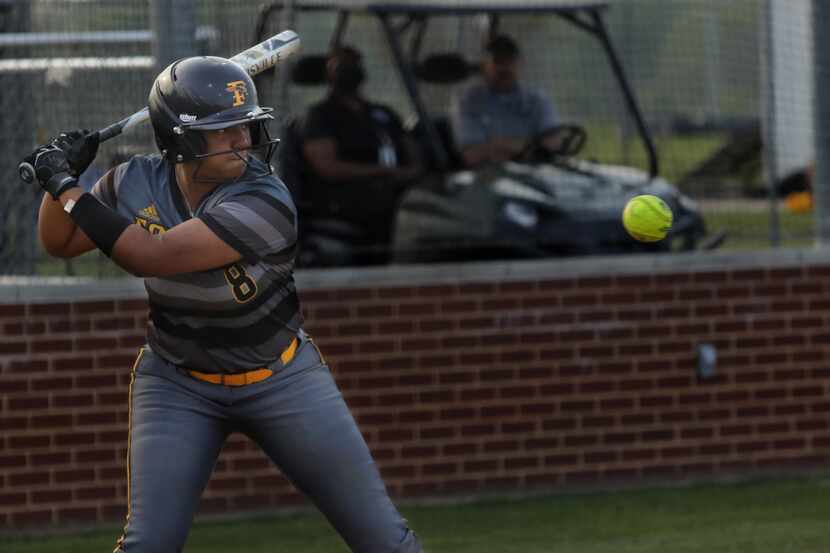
(51, 169)
(80, 147)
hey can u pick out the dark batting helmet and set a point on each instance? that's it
(200, 94)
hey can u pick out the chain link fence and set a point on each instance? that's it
(703, 73)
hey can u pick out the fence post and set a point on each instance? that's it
(821, 177)
(174, 28)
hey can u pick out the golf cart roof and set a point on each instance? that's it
(459, 8)
(450, 7)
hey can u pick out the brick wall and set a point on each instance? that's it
(513, 382)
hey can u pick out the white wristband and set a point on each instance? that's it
(70, 203)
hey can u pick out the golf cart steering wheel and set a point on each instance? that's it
(569, 139)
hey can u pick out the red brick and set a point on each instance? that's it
(620, 438)
(86, 308)
(29, 441)
(477, 394)
(789, 340)
(457, 413)
(752, 447)
(332, 312)
(13, 387)
(752, 412)
(791, 273)
(115, 361)
(10, 348)
(97, 419)
(811, 425)
(808, 356)
(639, 455)
(477, 430)
(396, 363)
(637, 419)
(131, 305)
(28, 403)
(774, 428)
(677, 417)
(706, 310)
(75, 438)
(581, 440)
(521, 463)
(528, 427)
(376, 346)
(735, 430)
(114, 323)
(394, 472)
(28, 366)
(354, 329)
(561, 460)
(28, 478)
(95, 344)
(480, 466)
(12, 310)
(697, 433)
(442, 433)
(47, 459)
(51, 496)
(657, 435)
(396, 399)
(31, 517)
(631, 315)
(557, 389)
(12, 461)
(50, 309)
(616, 404)
(653, 331)
(72, 363)
(75, 400)
(501, 445)
(459, 306)
(436, 325)
(96, 456)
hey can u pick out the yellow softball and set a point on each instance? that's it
(647, 218)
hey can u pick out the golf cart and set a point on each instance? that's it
(542, 203)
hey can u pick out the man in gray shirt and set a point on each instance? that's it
(493, 120)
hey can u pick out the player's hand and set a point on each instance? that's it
(51, 169)
(80, 147)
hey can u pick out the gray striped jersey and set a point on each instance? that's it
(227, 320)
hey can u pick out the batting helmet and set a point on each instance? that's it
(201, 94)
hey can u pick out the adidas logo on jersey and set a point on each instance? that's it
(149, 213)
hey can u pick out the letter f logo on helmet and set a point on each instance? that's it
(239, 91)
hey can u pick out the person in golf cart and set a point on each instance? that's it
(494, 118)
(357, 149)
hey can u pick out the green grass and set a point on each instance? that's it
(769, 516)
(677, 155)
(747, 224)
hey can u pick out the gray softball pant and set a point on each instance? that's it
(297, 416)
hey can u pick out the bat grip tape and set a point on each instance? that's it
(100, 223)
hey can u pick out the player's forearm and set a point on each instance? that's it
(494, 150)
(477, 154)
(55, 227)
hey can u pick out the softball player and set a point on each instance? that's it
(213, 233)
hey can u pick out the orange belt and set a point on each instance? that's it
(250, 377)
